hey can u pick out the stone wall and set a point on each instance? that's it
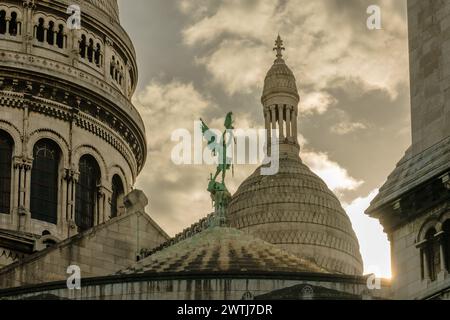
(429, 33)
(101, 251)
(408, 274)
(191, 288)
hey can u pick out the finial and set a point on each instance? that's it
(279, 48)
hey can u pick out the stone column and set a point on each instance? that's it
(22, 169)
(71, 179)
(45, 34)
(15, 193)
(281, 121)
(62, 216)
(107, 53)
(294, 126)
(268, 130)
(107, 194)
(103, 211)
(28, 30)
(440, 236)
(288, 123)
(274, 117)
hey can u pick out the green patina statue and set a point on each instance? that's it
(219, 145)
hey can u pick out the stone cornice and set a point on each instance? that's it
(92, 116)
(63, 112)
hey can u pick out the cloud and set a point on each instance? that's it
(374, 245)
(175, 192)
(344, 128)
(233, 17)
(235, 65)
(336, 177)
(323, 41)
(167, 107)
(318, 102)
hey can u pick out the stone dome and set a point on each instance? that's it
(296, 211)
(280, 79)
(110, 7)
(224, 251)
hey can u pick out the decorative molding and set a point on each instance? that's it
(105, 127)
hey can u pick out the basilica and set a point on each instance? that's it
(72, 145)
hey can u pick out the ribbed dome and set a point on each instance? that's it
(280, 79)
(108, 6)
(223, 250)
(296, 211)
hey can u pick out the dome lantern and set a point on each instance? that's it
(280, 100)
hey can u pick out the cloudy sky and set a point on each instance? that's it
(204, 58)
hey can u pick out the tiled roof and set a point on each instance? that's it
(222, 250)
(412, 171)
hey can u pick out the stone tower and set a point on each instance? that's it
(294, 209)
(71, 141)
(414, 204)
(280, 103)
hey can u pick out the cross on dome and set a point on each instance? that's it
(279, 48)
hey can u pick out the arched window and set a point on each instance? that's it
(2, 22)
(86, 193)
(446, 239)
(60, 37)
(432, 253)
(40, 30)
(50, 33)
(44, 181)
(91, 50)
(13, 24)
(117, 196)
(83, 46)
(6, 151)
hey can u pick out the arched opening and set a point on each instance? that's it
(446, 240)
(83, 46)
(44, 181)
(60, 37)
(13, 24)
(6, 152)
(86, 193)
(50, 33)
(432, 253)
(118, 193)
(40, 30)
(90, 50)
(2, 22)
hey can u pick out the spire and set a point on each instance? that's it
(279, 48)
